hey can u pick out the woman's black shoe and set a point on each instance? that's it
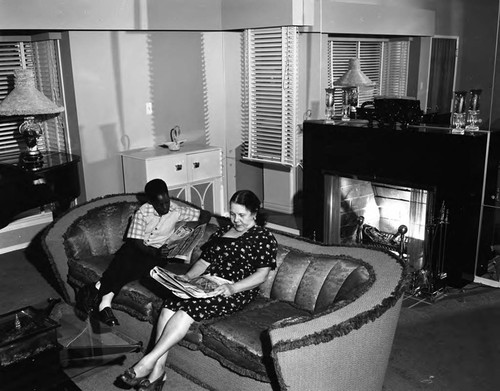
(87, 298)
(107, 317)
(129, 377)
(147, 385)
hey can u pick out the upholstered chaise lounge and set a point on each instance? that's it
(325, 319)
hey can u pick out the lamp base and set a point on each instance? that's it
(31, 160)
(31, 130)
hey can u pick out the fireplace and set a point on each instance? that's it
(383, 207)
(436, 179)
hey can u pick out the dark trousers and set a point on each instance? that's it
(128, 264)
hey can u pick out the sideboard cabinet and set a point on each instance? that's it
(194, 173)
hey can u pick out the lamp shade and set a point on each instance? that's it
(354, 77)
(25, 99)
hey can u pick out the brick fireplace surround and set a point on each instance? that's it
(459, 170)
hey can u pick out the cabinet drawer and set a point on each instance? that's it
(172, 170)
(204, 165)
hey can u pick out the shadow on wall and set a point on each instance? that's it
(105, 175)
(249, 175)
(297, 203)
(176, 79)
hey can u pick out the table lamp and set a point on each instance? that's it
(350, 82)
(25, 100)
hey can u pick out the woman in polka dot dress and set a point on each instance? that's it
(243, 252)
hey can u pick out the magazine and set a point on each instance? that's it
(199, 287)
(182, 242)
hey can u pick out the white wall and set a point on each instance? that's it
(152, 15)
(393, 17)
(115, 75)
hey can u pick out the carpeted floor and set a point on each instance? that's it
(23, 285)
(453, 344)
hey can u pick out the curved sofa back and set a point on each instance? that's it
(314, 282)
(100, 231)
(347, 348)
(53, 241)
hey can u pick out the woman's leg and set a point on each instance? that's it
(159, 368)
(172, 327)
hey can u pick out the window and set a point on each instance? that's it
(384, 61)
(270, 86)
(43, 57)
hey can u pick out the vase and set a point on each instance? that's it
(330, 104)
(473, 110)
(459, 111)
(349, 102)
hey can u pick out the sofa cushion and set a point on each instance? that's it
(265, 288)
(240, 341)
(134, 298)
(313, 281)
(88, 269)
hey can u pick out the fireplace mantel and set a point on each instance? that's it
(461, 169)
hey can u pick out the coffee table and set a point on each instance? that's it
(45, 350)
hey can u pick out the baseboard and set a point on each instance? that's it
(282, 228)
(18, 234)
(287, 209)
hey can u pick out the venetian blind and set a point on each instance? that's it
(384, 62)
(395, 73)
(270, 86)
(43, 58)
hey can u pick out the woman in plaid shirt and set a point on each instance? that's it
(152, 225)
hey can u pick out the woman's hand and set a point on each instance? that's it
(225, 290)
(250, 282)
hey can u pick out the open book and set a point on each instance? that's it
(199, 287)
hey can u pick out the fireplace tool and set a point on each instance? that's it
(430, 281)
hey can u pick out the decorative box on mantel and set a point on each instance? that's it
(460, 171)
(194, 173)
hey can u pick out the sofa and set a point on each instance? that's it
(324, 320)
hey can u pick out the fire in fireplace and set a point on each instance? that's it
(383, 206)
(429, 179)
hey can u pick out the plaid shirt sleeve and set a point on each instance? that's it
(137, 227)
(188, 214)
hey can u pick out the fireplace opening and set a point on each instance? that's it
(385, 207)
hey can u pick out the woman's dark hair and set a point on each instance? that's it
(250, 201)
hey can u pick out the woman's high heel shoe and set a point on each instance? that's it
(157, 385)
(130, 378)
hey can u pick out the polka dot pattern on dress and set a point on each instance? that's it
(233, 259)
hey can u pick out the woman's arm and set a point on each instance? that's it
(196, 270)
(250, 282)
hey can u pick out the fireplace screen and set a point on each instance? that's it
(385, 207)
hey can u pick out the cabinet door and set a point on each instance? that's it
(204, 165)
(178, 192)
(171, 169)
(202, 194)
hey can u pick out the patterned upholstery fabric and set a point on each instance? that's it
(308, 289)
